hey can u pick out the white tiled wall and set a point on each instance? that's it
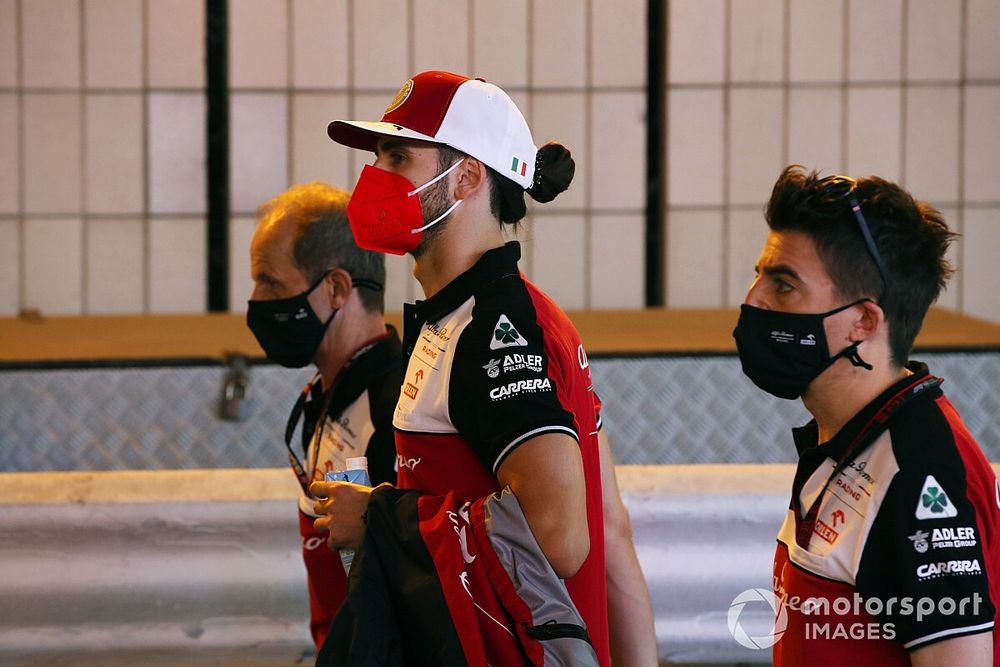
(176, 159)
(102, 119)
(981, 164)
(9, 159)
(873, 136)
(982, 238)
(258, 148)
(934, 40)
(175, 43)
(258, 44)
(814, 131)
(8, 43)
(695, 146)
(53, 276)
(114, 259)
(113, 48)
(102, 131)
(816, 38)
(10, 278)
(932, 141)
(982, 48)
(905, 89)
(52, 149)
(240, 284)
(874, 40)
(113, 153)
(317, 25)
(694, 258)
(177, 265)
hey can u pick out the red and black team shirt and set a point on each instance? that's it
(491, 363)
(358, 420)
(905, 548)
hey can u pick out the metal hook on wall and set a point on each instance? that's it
(235, 388)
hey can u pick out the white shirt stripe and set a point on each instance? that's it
(969, 629)
(530, 434)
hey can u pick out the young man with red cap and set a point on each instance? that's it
(506, 489)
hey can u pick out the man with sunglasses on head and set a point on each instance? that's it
(889, 553)
(318, 299)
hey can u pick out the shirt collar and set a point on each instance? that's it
(493, 265)
(806, 437)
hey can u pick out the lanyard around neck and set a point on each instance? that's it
(317, 436)
(299, 408)
(806, 524)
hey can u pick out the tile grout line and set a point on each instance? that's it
(845, 97)
(963, 65)
(146, 163)
(904, 90)
(588, 125)
(727, 140)
(22, 230)
(84, 194)
(529, 79)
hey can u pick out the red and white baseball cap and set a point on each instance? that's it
(470, 115)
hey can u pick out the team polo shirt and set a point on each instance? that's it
(492, 362)
(358, 422)
(359, 416)
(905, 550)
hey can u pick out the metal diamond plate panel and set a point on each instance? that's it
(703, 409)
(114, 419)
(656, 410)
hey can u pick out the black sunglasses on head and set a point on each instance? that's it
(841, 188)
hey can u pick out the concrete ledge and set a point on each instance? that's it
(204, 567)
(147, 486)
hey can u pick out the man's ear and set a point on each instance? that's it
(339, 287)
(470, 176)
(870, 321)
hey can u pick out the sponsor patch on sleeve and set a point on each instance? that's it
(506, 335)
(519, 387)
(934, 503)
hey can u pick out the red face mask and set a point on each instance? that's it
(385, 212)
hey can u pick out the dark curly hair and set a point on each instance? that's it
(911, 236)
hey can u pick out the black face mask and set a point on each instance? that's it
(782, 353)
(288, 329)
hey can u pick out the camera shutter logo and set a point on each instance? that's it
(777, 629)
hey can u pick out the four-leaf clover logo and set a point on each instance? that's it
(506, 333)
(935, 499)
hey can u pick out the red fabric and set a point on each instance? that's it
(326, 578)
(588, 587)
(802, 645)
(483, 624)
(425, 108)
(983, 492)
(441, 463)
